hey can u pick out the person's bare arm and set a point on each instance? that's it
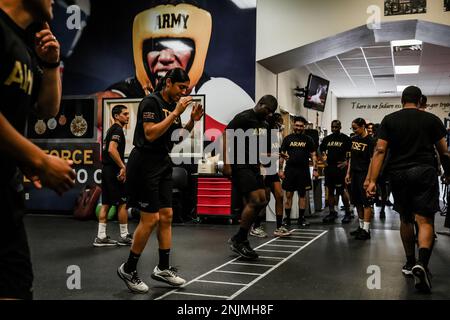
(49, 97)
(41, 168)
(154, 130)
(375, 165)
(114, 153)
(444, 156)
(314, 161)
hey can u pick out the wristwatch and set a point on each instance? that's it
(49, 65)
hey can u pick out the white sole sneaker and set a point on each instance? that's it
(421, 277)
(138, 287)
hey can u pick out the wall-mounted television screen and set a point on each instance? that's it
(317, 91)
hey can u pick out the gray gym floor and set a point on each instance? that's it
(318, 262)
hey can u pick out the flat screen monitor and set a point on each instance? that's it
(317, 91)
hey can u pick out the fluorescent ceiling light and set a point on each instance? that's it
(400, 43)
(245, 4)
(406, 69)
(401, 88)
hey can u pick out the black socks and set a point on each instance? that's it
(131, 264)
(163, 259)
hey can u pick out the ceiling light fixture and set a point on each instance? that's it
(406, 69)
(401, 43)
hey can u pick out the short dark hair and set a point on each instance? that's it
(411, 94)
(175, 75)
(269, 101)
(300, 119)
(360, 122)
(117, 109)
(337, 122)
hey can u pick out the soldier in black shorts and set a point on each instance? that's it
(298, 148)
(149, 174)
(245, 139)
(361, 153)
(272, 182)
(29, 77)
(413, 175)
(336, 148)
(113, 180)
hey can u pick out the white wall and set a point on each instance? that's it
(374, 109)
(266, 82)
(288, 24)
(282, 87)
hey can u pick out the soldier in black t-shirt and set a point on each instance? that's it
(149, 174)
(335, 148)
(113, 180)
(272, 180)
(411, 136)
(29, 77)
(361, 153)
(298, 148)
(245, 142)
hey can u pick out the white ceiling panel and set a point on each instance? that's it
(354, 54)
(354, 63)
(377, 52)
(350, 75)
(380, 62)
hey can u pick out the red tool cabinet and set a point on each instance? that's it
(213, 196)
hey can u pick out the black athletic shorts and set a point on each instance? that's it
(113, 191)
(247, 179)
(335, 177)
(415, 190)
(358, 194)
(270, 180)
(297, 180)
(16, 274)
(149, 183)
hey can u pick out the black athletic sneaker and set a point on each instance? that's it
(407, 270)
(243, 249)
(363, 235)
(422, 278)
(382, 215)
(302, 222)
(330, 217)
(356, 232)
(346, 219)
(287, 221)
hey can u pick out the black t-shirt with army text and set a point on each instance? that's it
(155, 109)
(20, 78)
(337, 147)
(250, 142)
(115, 133)
(299, 148)
(411, 135)
(361, 153)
